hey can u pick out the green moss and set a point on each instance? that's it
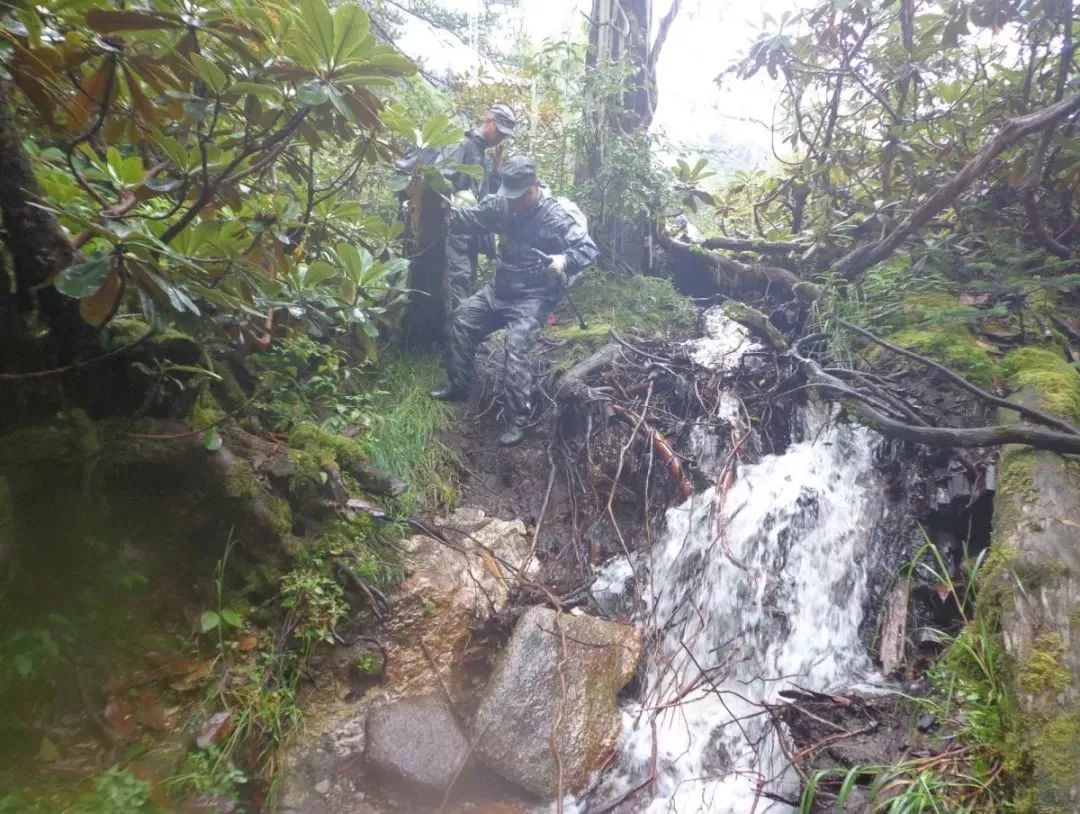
(1044, 671)
(123, 331)
(1056, 749)
(647, 307)
(756, 321)
(205, 411)
(329, 446)
(953, 347)
(1046, 372)
(241, 486)
(1016, 488)
(808, 292)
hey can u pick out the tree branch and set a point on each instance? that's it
(757, 275)
(1013, 130)
(759, 246)
(1028, 412)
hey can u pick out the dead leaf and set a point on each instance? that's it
(48, 751)
(249, 643)
(355, 504)
(195, 677)
(216, 728)
(942, 590)
(120, 717)
(152, 712)
(493, 568)
(98, 308)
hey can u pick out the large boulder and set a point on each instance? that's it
(449, 589)
(556, 683)
(417, 742)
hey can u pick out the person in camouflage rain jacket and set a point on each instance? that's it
(462, 250)
(544, 248)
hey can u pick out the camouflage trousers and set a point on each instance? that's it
(480, 316)
(461, 255)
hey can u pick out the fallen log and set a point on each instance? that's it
(872, 411)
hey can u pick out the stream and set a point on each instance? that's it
(757, 585)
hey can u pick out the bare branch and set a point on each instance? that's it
(1013, 130)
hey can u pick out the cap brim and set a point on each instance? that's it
(505, 129)
(512, 192)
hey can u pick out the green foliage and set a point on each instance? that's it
(210, 163)
(303, 380)
(114, 790)
(403, 435)
(208, 771)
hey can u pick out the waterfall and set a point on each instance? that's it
(757, 585)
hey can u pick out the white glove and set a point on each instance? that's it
(464, 197)
(556, 269)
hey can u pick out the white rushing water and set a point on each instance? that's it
(750, 591)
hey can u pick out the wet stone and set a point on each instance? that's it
(417, 742)
(515, 725)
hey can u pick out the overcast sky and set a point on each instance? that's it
(706, 36)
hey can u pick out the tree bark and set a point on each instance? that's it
(424, 322)
(861, 258)
(39, 249)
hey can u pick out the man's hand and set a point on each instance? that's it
(556, 270)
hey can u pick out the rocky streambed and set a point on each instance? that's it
(448, 720)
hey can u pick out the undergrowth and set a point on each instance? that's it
(978, 763)
(403, 432)
(638, 306)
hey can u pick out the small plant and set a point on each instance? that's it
(220, 617)
(315, 602)
(115, 790)
(306, 380)
(428, 607)
(367, 664)
(209, 771)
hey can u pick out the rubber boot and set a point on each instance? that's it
(448, 393)
(515, 433)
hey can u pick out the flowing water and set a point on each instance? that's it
(757, 585)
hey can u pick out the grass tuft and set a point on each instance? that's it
(404, 428)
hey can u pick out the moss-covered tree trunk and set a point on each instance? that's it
(1031, 583)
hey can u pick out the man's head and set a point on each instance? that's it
(520, 186)
(498, 123)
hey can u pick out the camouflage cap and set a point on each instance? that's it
(518, 175)
(503, 116)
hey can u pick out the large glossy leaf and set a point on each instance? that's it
(351, 26)
(313, 93)
(98, 308)
(320, 27)
(209, 72)
(318, 272)
(83, 279)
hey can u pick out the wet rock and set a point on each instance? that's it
(449, 591)
(417, 742)
(524, 706)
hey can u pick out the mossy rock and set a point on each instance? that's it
(1046, 372)
(954, 347)
(639, 306)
